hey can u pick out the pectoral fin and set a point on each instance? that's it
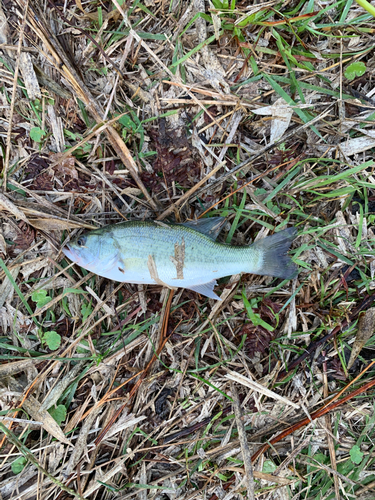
(206, 289)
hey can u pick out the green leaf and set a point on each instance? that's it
(260, 191)
(248, 20)
(356, 455)
(269, 467)
(367, 6)
(41, 298)
(18, 465)
(255, 317)
(221, 476)
(36, 134)
(83, 347)
(73, 290)
(275, 209)
(127, 122)
(357, 68)
(86, 310)
(58, 413)
(220, 5)
(52, 339)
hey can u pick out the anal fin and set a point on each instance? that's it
(206, 289)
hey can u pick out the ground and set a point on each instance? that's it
(262, 114)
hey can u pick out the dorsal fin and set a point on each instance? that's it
(211, 227)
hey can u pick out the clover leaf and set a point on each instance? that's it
(357, 68)
(18, 465)
(58, 413)
(52, 339)
(356, 454)
(41, 298)
(37, 134)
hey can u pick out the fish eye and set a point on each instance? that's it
(81, 241)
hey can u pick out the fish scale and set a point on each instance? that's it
(178, 255)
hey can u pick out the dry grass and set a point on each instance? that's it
(263, 114)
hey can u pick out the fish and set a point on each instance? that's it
(178, 255)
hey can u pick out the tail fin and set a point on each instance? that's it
(274, 249)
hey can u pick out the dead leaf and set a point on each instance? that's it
(4, 29)
(80, 446)
(7, 288)
(259, 388)
(12, 319)
(34, 265)
(216, 21)
(33, 407)
(29, 76)
(65, 165)
(213, 69)
(56, 224)
(25, 237)
(79, 5)
(55, 393)
(281, 113)
(357, 145)
(366, 327)
(131, 190)
(9, 206)
(107, 16)
(258, 338)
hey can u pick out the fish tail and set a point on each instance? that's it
(273, 253)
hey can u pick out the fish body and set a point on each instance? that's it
(178, 255)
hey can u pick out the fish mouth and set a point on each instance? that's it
(68, 252)
(74, 256)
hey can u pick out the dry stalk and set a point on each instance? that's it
(246, 455)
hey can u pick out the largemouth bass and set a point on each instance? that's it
(178, 255)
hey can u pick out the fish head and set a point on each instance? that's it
(84, 250)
